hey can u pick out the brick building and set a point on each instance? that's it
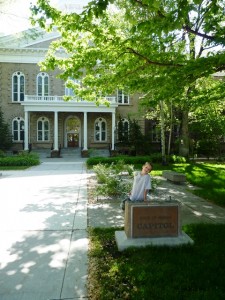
(32, 102)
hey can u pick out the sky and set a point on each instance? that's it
(14, 14)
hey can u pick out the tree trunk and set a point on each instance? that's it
(184, 135)
(163, 139)
(171, 126)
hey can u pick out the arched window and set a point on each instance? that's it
(42, 84)
(100, 130)
(18, 86)
(123, 130)
(43, 129)
(18, 129)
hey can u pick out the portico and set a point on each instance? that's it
(56, 105)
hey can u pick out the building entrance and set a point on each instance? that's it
(72, 132)
(72, 140)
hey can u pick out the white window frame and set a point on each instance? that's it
(43, 134)
(101, 132)
(122, 97)
(43, 85)
(18, 132)
(18, 88)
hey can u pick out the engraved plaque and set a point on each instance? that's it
(152, 220)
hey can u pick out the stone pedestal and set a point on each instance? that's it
(84, 153)
(151, 223)
(152, 219)
(55, 154)
(174, 176)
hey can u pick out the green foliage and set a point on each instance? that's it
(178, 159)
(158, 272)
(2, 153)
(24, 159)
(111, 178)
(136, 138)
(123, 137)
(209, 177)
(134, 160)
(165, 51)
(144, 47)
(5, 136)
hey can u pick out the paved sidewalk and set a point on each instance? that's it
(44, 217)
(106, 213)
(43, 222)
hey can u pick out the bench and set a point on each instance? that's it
(174, 176)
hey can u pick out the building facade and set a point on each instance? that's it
(33, 105)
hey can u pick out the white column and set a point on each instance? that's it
(26, 146)
(56, 140)
(113, 130)
(85, 131)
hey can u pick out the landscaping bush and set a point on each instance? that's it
(178, 159)
(23, 159)
(134, 160)
(2, 153)
(111, 179)
(116, 179)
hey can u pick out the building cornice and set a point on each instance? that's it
(25, 55)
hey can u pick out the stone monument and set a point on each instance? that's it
(151, 223)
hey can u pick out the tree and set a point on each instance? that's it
(5, 136)
(157, 48)
(136, 138)
(207, 122)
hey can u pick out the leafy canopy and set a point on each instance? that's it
(158, 48)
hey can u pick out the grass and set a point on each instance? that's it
(209, 177)
(13, 168)
(186, 272)
(19, 162)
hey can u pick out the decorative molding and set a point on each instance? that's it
(24, 55)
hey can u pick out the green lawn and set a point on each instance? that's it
(162, 273)
(190, 272)
(210, 177)
(13, 168)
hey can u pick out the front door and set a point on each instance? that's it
(72, 132)
(72, 139)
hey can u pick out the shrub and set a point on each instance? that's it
(126, 159)
(2, 153)
(111, 179)
(178, 159)
(23, 159)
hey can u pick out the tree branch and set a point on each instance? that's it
(150, 62)
(203, 35)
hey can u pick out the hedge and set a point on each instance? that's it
(134, 160)
(20, 160)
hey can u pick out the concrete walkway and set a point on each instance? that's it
(43, 222)
(107, 213)
(44, 217)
